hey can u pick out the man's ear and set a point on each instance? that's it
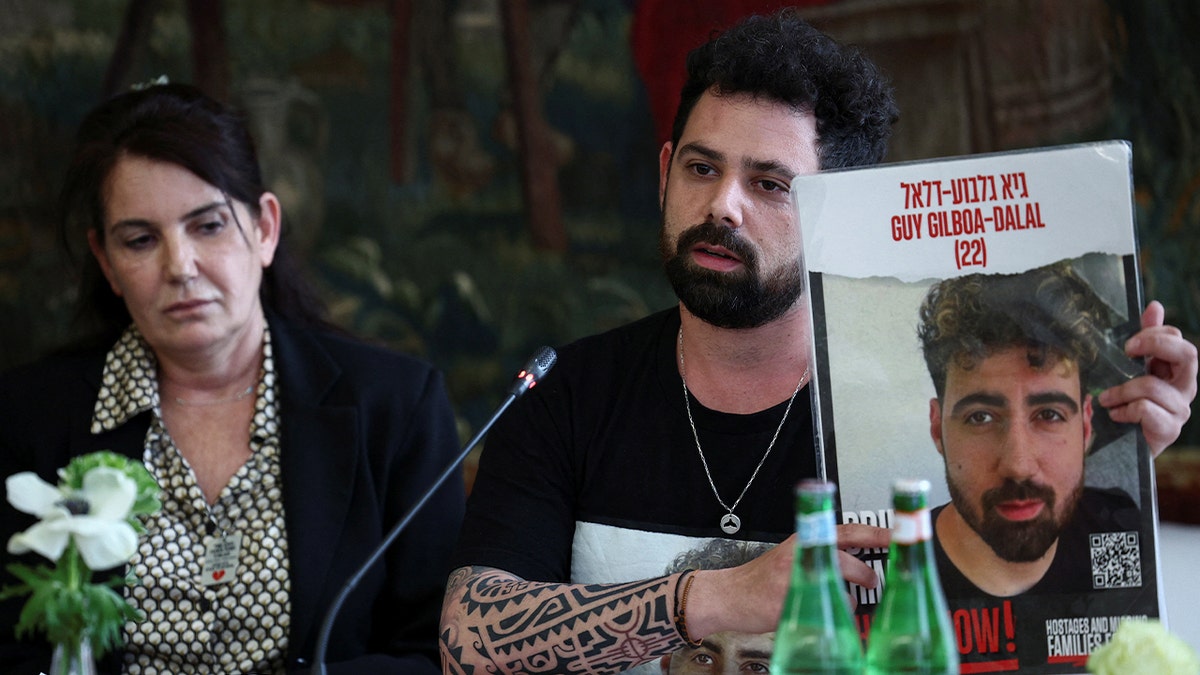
(101, 256)
(1088, 436)
(665, 664)
(935, 425)
(664, 170)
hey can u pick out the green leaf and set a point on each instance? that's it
(106, 613)
(148, 491)
(32, 576)
(10, 592)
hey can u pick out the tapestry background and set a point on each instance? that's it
(469, 179)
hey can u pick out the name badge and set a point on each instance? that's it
(221, 558)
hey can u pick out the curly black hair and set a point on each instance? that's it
(781, 57)
(1050, 311)
(718, 554)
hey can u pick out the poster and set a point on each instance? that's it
(1041, 584)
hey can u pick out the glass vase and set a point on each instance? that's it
(73, 658)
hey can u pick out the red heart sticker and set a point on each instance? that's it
(218, 574)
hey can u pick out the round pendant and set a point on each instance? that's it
(730, 523)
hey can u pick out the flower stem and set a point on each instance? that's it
(71, 558)
(77, 575)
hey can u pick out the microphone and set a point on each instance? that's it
(535, 369)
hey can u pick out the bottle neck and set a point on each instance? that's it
(912, 538)
(816, 538)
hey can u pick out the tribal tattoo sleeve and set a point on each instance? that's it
(493, 622)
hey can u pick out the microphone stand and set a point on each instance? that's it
(539, 364)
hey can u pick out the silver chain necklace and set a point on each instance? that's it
(730, 523)
(217, 401)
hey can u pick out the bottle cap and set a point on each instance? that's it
(910, 486)
(817, 486)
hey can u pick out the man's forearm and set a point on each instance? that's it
(492, 618)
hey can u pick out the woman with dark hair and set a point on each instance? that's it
(270, 433)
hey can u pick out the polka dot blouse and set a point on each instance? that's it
(238, 623)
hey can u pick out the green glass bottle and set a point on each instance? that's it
(816, 632)
(911, 631)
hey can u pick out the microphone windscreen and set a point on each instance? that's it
(535, 369)
(541, 363)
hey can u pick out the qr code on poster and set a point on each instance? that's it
(1116, 560)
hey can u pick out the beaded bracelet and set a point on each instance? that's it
(681, 606)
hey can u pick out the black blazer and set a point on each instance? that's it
(364, 432)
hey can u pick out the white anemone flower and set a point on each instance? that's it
(96, 517)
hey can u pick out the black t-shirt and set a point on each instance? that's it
(1099, 511)
(1098, 577)
(594, 476)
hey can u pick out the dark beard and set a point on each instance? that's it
(741, 299)
(1016, 542)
